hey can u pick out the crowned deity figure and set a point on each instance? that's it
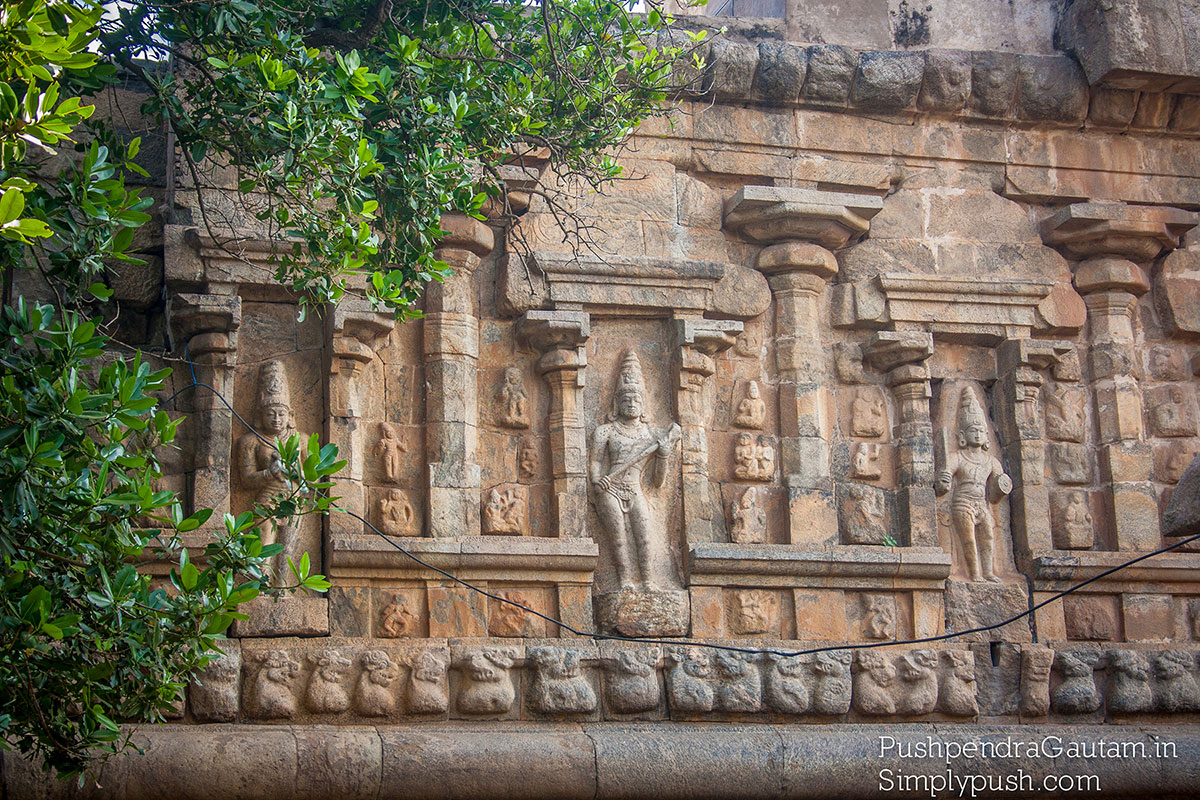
(260, 467)
(978, 480)
(623, 448)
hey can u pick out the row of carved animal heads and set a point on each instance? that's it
(915, 682)
(1136, 681)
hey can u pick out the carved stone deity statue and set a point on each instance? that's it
(512, 399)
(978, 480)
(623, 448)
(389, 449)
(752, 411)
(261, 469)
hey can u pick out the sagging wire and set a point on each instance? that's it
(680, 642)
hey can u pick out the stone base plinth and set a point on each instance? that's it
(644, 612)
(979, 604)
(296, 615)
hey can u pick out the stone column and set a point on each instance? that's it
(698, 341)
(452, 403)
(1019, 425)
(801, 228)
(355, 330)
(1110, 239)
(207, 325)
(560, 336)
(902, 356)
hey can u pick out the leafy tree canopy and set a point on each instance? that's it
(351, 127)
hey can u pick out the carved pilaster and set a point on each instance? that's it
(698, 341)
(902, 356)
(205, 326)
(1111, 240)
(451, 358)
(560, 337)
(801, 228)
(355, 331)
(1020, 427)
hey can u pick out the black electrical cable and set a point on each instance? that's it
(691, 642)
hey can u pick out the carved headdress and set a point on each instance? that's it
(273, 386)
(970, 414)
(629, 379)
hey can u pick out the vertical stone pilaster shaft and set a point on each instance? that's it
(560, 337)
(698, 341)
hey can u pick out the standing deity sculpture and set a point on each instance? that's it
(512, 400)
(622, 449)
(261, 469)
(868, 414)
(977, 480)
(388, 449)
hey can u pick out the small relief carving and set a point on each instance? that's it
(261, 468)
(213, 697)
(527, 460)
(397, 620)
(1170, 413)
(511, 400)
(874, 677)
(977, 482)
(752, 611)
(1167, 364)
(863, 515)
(1065, 417)
(389, 450)
(1036, 663)
(510, 621)
(1067, 367)
(1129, 682)
(865, 463)
(505, 511)
(558, 685)
(396, 515)
(487, 681)
(752, 411)
(740, 686)
(831, 692)
(750, 342)
(754, 460)
(273, 698)
(848, 362)
(1171, 461)
(1089, 619)
(1069, 464)
(785, 689)
(748, 517)
(688, 679)
(326, 694)
(879, 621)
(956, 693)
(427, 690)
(1077, 694)
(918, 692)
(374, 696)
(1175, 686)
(624, 447)
(633, 683)
(868, 414)
(1072, 521)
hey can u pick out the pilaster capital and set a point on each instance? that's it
(1139, 233)
(888, 350)
(773, 214)
(191, 315)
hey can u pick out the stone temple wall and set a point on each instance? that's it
(871, 346)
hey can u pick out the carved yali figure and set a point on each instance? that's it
(273, 698)
(374, 696)
(427, 690)
(956, 693)
(213, 697)
(740, 687)
(831, 692)
(261, 469)
(978, 480)
(1175, 687)
(1035, 680)
(786, 691)
(487, 682)
(633, 683)
(1077, 694)
(874, 679)
(558, 685)
(622, 448)
(688, 679)
(326, 692)
(1129, 682)
(918, 682)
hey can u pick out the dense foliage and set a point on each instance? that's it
(351, 127)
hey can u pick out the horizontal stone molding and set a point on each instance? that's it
(601, 760)
(1061, 569)
(470, 558)
(720, 564)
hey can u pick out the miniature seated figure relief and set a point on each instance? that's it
(388, 450)
(752, 411)
(261, 469)
(754, 460)
(977, 480)
(1076, 532)
(512, 400)
(749, 519)
(866, 461)
(396, 620)
(868, 415)
(396, 516)
(504, 512)
(1170, 415)
(622, 449)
